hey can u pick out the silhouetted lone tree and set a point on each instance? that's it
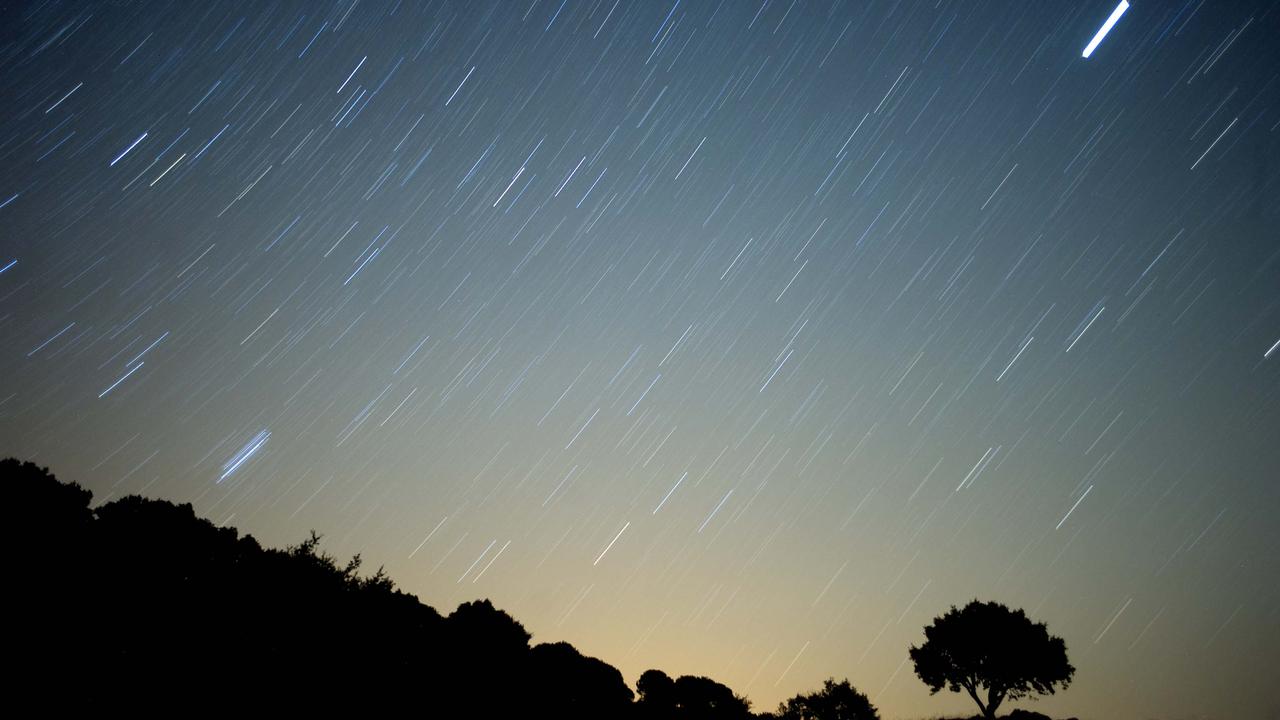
(988, 647)
(835, 701)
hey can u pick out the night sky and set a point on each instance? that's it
(732, 339)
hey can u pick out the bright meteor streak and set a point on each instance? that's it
(1106, 27)
(245, 452)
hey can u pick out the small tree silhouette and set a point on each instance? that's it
(688, 697)
(986, 646)
(701, 698)
(563, 683)
(657, 695)
(835, 701)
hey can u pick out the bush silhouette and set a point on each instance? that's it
(988, 647)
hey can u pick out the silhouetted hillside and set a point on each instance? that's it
(140, 604)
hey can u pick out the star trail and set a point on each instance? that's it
(732, 338)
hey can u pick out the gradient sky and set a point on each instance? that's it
(729, 338)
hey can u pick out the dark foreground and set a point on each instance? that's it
(138, 604)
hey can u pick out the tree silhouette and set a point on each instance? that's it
(688, 697)
(986, 646)
(569, 685)
(835, 701)
(45, 531)
(657, 695)
(701, 698)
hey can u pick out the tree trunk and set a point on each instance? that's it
(994, 699)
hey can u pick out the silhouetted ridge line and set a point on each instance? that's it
(141, 604)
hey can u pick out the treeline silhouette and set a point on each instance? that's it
(140, 604)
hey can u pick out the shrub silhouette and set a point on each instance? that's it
(986, 646)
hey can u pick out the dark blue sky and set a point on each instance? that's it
(733, 339)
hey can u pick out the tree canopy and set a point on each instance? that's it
(987, 648)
